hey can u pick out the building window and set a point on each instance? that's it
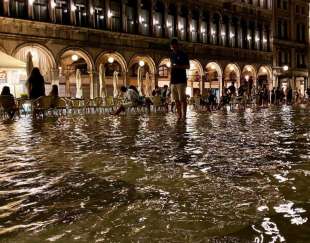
(99, 11)
(116, 19)
(163, 71)
(80, 13)
(158, 19)
(171, 21)
(62, 14)
(144, 18)
(194, 26)
(40, 10)
(182, 25)
(18, 9)
(301, 32)
(131, 16)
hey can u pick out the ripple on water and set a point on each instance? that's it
(220, 177)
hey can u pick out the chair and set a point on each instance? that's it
(61, 106)
(76, 105)
(8, 106)
(157, 103)
(42, 105)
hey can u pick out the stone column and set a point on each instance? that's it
(199, 33)
(72, 12)
(139, 26)
(165, 18)
(30, 9)
(91, 14)
(188, 26)
(106, 15)
(6, 7)
(124, 17)
(91, 84)
(151, 18)
(176, 24)
(67, 80)
(51, 11)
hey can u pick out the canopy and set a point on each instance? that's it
(9, 62)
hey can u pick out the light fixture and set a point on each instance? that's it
(231, 68)
(257, 39)
(84, 14)
(192, 66)
(192, 28)
(110, 60)
(223, 34)
(168, 64)
(141, 63)
(212, 67)
(264, 40)
(212, 32)
(247, 77)
(202, 30)
(156, 22)
(231, 35)
(285, 68)
(145, 25)
(73, 7)
(141, 19)
(75, 57)
(31, 2)
(249, 37)
(110, 14)
(101, 17)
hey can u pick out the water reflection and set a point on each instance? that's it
(220, 177)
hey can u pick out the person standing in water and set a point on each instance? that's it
(179, 64)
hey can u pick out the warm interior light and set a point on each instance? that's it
(110, 60)
(110, 14)
(285, 67)
(141, 63)
(231, 35)
(249, 38)
(168, 64)
(53, 4)
(91, 10)
(247, 77)
(75, 57)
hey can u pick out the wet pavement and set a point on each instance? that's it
(220, 177)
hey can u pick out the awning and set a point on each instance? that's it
(9, 62)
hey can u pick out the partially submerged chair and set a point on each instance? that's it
(42, 105)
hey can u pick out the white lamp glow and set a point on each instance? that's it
(141, 63)
(285, 67)
(75, 57)
(168, 64)
(110, 60)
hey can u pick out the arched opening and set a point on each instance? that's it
(114, 68)
(248, 75)
(231, 75)
(164, 72)
(194, 78)
(264, 77)
(214, 79)
(41, 58)
(71, 62)
(141, 73)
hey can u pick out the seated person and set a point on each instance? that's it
(132, 99)
(7, 102)
(54, 94)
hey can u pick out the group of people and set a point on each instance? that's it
(35, 87)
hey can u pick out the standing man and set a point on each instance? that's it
(179, 64)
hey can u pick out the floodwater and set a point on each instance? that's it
(221, 177)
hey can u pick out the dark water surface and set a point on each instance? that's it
(221, 177)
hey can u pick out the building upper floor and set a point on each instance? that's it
(196, 22)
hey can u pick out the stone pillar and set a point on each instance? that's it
(30, 9)
(176, 24)
(151, 19)
(108, 22)
(91, 84)
(67, 80)
(165, 18)
(6, 7)
(72, 8)
(188, 26)
(124, 17)
(139, 25)
(91, 14)
(51, 11)
(199, 33)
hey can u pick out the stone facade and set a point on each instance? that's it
(226, 41)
